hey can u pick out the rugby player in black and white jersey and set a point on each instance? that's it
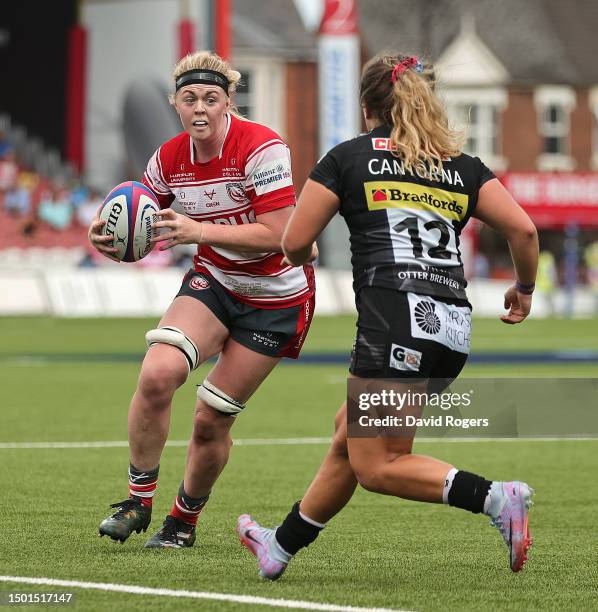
(405, 190)
(240, 302)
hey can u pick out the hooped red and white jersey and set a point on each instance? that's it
(250, 176)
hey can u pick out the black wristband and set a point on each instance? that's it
(525, 289)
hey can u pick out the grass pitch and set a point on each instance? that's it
(379, 552)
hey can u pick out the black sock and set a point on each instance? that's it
(296, 533)
(192, 503)
(468, 491)
(187, 508)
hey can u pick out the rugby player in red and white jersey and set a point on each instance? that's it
(231, 179)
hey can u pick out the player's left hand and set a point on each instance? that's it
(174, 229)
(519, 305)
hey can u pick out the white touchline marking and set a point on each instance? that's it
(278, 442)
(184, 443)
(242, 599)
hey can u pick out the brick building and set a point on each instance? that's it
(518, 77)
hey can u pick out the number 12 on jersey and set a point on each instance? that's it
(423, 237)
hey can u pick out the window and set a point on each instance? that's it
(554, 105)
(244, 97)
(554, 129)
(260, 95)
(480, 122)
(478, 114)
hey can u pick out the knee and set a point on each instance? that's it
(339, 442)
(209, 427)
(384, 476)
(159, 381)
(371, 479)
(366, 472)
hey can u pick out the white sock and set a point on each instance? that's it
(448, 483)
(275, 550)
(491, 502)
(311, 521)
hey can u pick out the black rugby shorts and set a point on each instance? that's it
(407, 335)
(276, 332)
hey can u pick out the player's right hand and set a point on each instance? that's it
(518, 304)
(315, 253)
(99, 241)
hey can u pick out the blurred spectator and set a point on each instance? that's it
(8, 171)
(79, 194)
(546, 279)
(5, 144)
(591, 261)
(18, 200)
(481, 266)
(86, 211)
(55, 209)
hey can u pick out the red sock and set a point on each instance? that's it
(143, 485)
(187, 508)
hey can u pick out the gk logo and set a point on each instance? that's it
(400, 355)
(402, 358)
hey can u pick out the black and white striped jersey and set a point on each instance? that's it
(404, 223)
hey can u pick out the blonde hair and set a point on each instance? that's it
(208, 61)
(404, 99)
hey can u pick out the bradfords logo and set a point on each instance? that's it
(198, 282)
(271, 176)
(397, 194)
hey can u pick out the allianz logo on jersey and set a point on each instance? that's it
(399, 194)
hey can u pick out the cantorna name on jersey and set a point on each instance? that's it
(396, 166)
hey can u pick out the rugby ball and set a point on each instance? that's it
(128, 211)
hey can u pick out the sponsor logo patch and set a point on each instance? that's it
(266, 339)
(271, 176)
(199, 282)
(444, 323)
(381, 144)
(236, 192)
(400, 194)
(403, 358)
(426, 317)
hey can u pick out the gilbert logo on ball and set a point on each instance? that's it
(128, 211)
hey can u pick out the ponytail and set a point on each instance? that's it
(399, 91)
